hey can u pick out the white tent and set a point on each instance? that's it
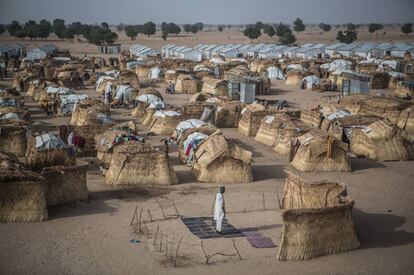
(311, 81)
(155, 73)
(275, 73)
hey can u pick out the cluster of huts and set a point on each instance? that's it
(40, 169)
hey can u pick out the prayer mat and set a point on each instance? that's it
(257, 239)
(205, 228)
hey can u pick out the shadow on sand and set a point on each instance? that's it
(381, 230)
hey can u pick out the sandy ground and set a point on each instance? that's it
(228, 36)
(93, 237)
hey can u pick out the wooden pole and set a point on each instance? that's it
(235, 247)
(149, 213)
(133, 217)
(162, 210)
(139, 222)
(176, 252)
(156, 234)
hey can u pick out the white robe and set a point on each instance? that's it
(218, 211)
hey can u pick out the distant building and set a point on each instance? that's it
(12, 50)
(332, 50)
(110, 49)
(41, 52)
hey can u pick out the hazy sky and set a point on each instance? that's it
(209, 11)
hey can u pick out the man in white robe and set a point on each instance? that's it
(219, 209)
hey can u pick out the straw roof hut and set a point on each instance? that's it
(148, 116)
(164, 122)
(379, 80)
(251, 118)
(261, 65)
(135, 163)
(404, 90)
(269, 128)
(382, 106)
(318, 152)
(147, 97)
(317, 220)
(380, 140)
(13, 137)
(192, 109)
(82, 137)
(217, 87)
(108, 140)
(201, 97)
(294, 77)
(47, 150)
(70, 79)
(228, 114)
(221, 160)
(406, 123)
(128, 77)
(341, 128)
(207, 129)
(22, 193)
(289, 129)
(143, 71)
(312, 117)
(66, 184)
(90, 112)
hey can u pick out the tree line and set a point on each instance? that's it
(102, 34)
(94, 34)
(286, 36)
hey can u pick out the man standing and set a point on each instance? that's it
(219, 209)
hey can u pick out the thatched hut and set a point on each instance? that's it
(317, 220)
(47, 150)
(406, 123)
(221, 160)
(70, 79)
(164, 122)
(183, 154)
(269, 128)
(379, 80)
(380, 140)
(193, 109)
(251, 118)
(318, 152)
(135, 163)
(108, 140)
(128, 77)
(147, 97)
(22, 193)
(216, 87)
(90, 112)
(289, 129)
(294, 77)
(342, 128)
(311, 117)
(404, 90)
(143, 71)
(228, 114)
(13, 137)
(66, 184)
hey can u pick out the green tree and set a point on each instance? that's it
(187, 28)
(104, 25)
(120, 27)
(325, 27)
(347, 36)
(350, 27)
(45, 28)
(149, 29)
(99, 36)
(194, 28)
(68, 33)
(59, 27)
(31, 29)
(13, 28)
(252, 32)
(281, 29)
(163, 26)
(110, 37)
(287, 39)
(407, 28)
(220, 28)
(2, 29)
(259, 25)
(200, 26)
(131, 32)
(77, 27)
(269, 30)
(373, 27)
(298, 25)
(20, 34)
(164, 35)
(173, 28)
